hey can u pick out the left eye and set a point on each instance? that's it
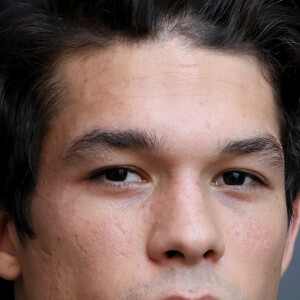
(118, 175)
(237, 178)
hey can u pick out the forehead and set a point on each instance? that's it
(119, 86)
(153, 63)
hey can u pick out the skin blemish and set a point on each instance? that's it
(207, 123)
(109, 93)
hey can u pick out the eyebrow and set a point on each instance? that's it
(265, 145)
(99, 140)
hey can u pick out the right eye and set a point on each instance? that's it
(118, 175)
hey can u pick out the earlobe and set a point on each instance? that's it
(9, 264)
(292, 236)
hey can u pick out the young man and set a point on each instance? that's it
(150, 149)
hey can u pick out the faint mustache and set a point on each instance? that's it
(193, 279)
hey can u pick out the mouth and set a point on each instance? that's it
(179, 297)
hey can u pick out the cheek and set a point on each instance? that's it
(88, 241)
(256, 247)
(99, 237)
(257, 240)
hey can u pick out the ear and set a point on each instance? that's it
(292, 236)
(9, 265)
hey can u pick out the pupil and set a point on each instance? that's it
(234, 178)
(117, 174)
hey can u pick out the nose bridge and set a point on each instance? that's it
(184, 206)
(186, 224)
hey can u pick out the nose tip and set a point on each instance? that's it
(187, 233)
(187, 244)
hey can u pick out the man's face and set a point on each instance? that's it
(162, 177)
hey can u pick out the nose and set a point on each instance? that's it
(186, 229)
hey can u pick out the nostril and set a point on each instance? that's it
(172, 253)
(208, 253)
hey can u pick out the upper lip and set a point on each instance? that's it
(179, 297)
